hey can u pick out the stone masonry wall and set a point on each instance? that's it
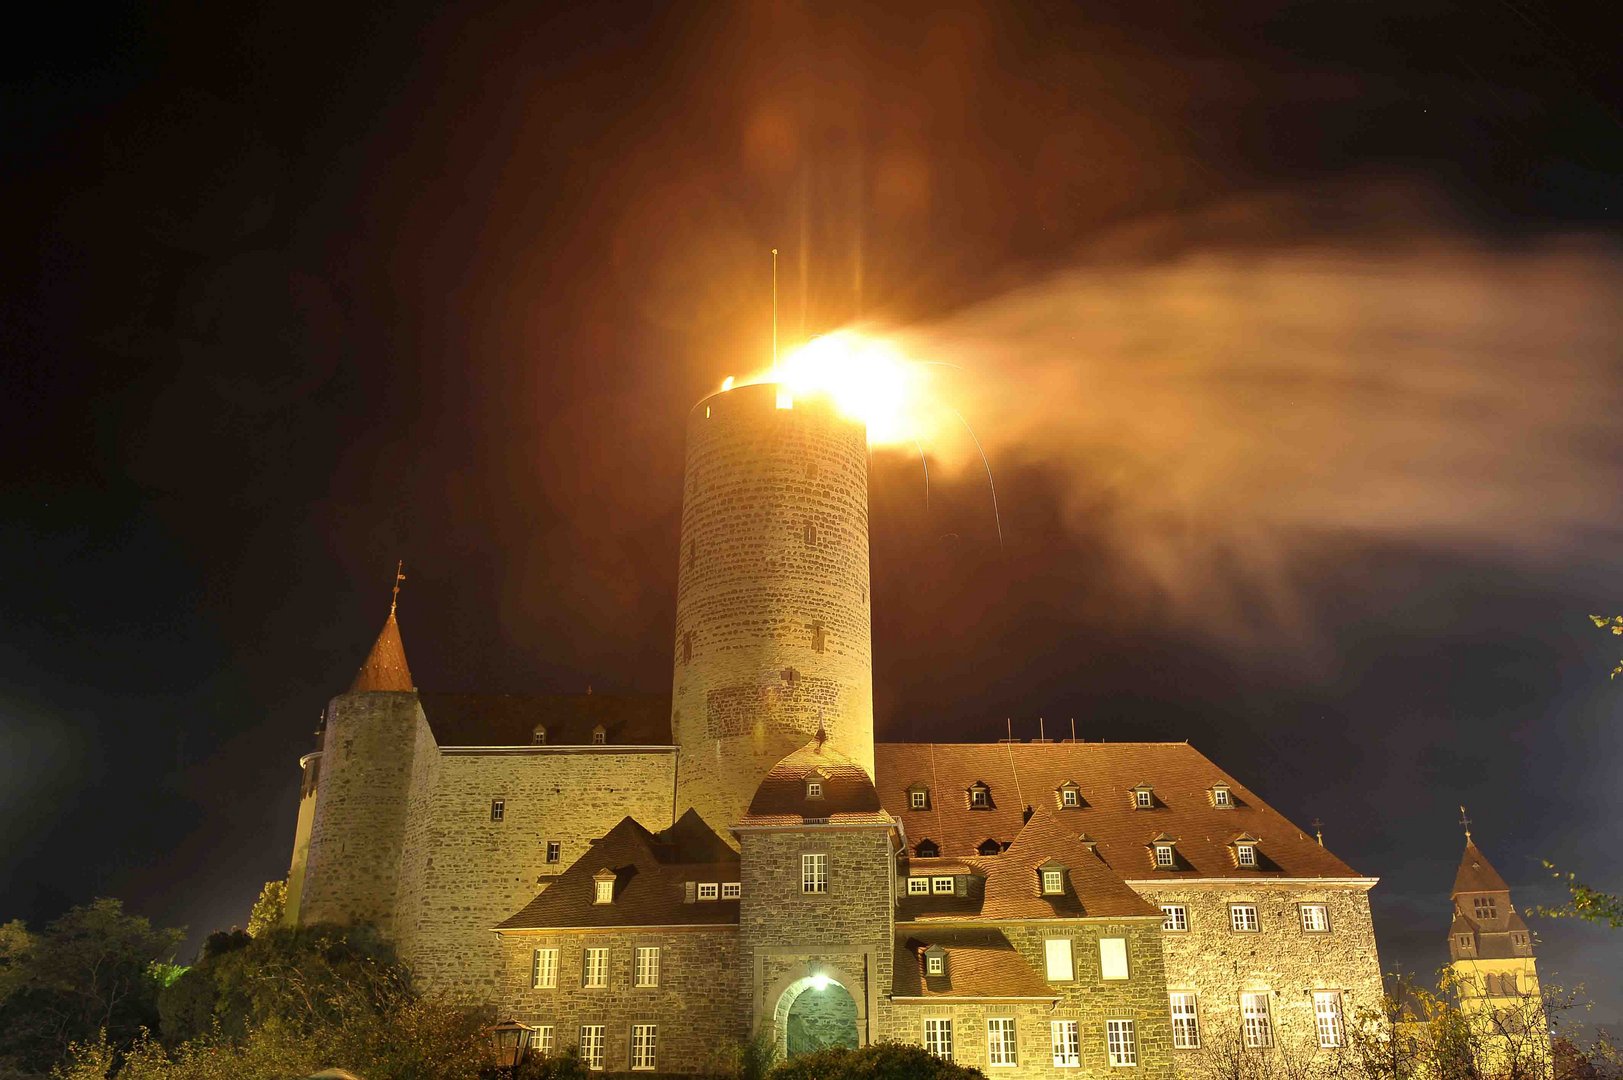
(693, 1008)
(475, 872)
(1219, 963)
(772, 611)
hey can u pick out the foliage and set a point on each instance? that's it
(565, 1066)
(758, 1057)
(880, 1061)
(268, 909)
(1584, 902)
(95, 969)
(1615, 625)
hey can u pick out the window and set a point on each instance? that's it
(538, 737)
(1243, 917)
(555, 851)
(1221, 798)
(1465, 942)
(1518, 939)
(918, 886)
(1507, 983)
(941, 885)
(709, 890)
(594, 969)
(818, 640)
(687, 647)
(1000, 1041)
(918, 800)
(927, 849)
(544, 969)
(814, 789)
(989, 847)
(1053, 882)
(645, 969)
(1067, 1044)
(1164, 857)
(603, 891)
(814, 873)
(1070, 797)
(1185, 1022)
(935, 962)
(1143, 798)
(980, 798)
(1113, 958)
(1119, 1042)
(541, 1040)
(599, 736)
(731, 890)
(1484, 907)
(591, 1046)
(642, 1047)
(498, 809)
(1177, 917)
(1258, 1028)
(810, 534)
(1057, 952)
(1315, 919)
(938, 1036)
(1327, 1017)
(1245, 854)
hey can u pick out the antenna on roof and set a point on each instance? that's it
(1040, 736)
(1073, 729)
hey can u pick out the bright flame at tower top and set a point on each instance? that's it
(866, 378)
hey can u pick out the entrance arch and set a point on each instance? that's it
(813, 1013)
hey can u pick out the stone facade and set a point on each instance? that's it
(772, 608)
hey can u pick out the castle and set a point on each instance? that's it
(656, 881)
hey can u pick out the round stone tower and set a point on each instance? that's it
(772, 608)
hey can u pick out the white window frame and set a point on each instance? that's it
(935, 964)
(709, 890)
(1066, 1038)
(814, 873)
(591, 1046)
(1484, 907)
(599, 737)
(918, 886)
(1185, 1009)
(1327, 1021)
(1165, 858)
(541, 1039)
(938, 1036)
(555, 851)
(814, 789)
(1256, 1018)
(594, 967)
(918, 800)
(1070, 798)
(603, 891)
(1315, 918)
(941, 885)
(644, 1047)
(544, 969)
(1175, 918)
(1059, 961)
(645, 966)
(1221, 798)
(732, 890)
(1143, 799)
(498, 810)
(1243, 919)
(979, 797)
(1245, 854)
(1053, 882)
(1121, 1043)
(1002, 1042)
(1113, 966)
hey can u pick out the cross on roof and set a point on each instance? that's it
(399, 576)
(1465, 823)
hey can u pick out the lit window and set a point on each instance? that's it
(1113, 958)
(599, 736)
(709, 890)
(1177, 917)
(544, 969)
(498, 809)
(1185, 1022)
(1327, 1017)
(541, 1040)
(1518, 939)
(595, 969)
(1067, 1039)
(642, 1047)
(1164, 857)
(1221, 798)
(645, 969)
(1070, 797)
(1119, 1042)
(941, 885)
(1243, 917)
(1258, 1026)
(538, 737)
(1465, 942)
(555, 851)
(1000, 1041)
(814, 789)
(810, 534)
(1315, 919)
(731, 890)
(1057, 953)
(938, 1036)
(591, 1046)
(935, 962)
(814, 873)
(980, 797)
(1053, 882)
(1484, 908)
(1143, 798)
(918, 886)
(1245, 854)
(603, 891)
(918, 800)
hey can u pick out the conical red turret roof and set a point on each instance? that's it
(385, 667)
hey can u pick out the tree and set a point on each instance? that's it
(268, 909)
(1615, 625)
(1584, 902)
(880, 1061)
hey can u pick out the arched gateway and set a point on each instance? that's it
(813, 1013)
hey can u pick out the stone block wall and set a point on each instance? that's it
(694, 1007)
(1219, 963)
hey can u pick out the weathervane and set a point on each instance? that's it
(1465, 823)
(399, 576)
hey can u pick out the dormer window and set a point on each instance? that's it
(599, 735)
(1143, 797)
(918, 798)
(989, 847)
(935, 961)
(927, 849)
(603, 886)
(1222, 797)
(1070, 796)
(980, 797)
(1245, 854)
(538, 737)
(1165, 857)
(814, 789)
(1052, 879)
(1483, 907)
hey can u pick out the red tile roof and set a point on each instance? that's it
(1092, 889)
(1031, 774)
(651, 872)
(980, 964)
(510, 720)
(385, 667)
(847, 795)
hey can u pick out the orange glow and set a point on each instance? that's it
(867, 378)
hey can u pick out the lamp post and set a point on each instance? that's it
(509, 1039)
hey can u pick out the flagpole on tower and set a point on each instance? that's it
(774, 310)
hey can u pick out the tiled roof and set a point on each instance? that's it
(510, 720)
(1091, 888)
(1476, 874)
(651, 872)
(980, 964)
(1031, 774)
(385, 667)
(847, 795)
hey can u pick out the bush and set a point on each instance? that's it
(881, 1061)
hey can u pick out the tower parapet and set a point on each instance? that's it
(772, 611)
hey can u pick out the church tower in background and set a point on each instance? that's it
(772, 638)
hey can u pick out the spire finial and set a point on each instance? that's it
(399, 576)
(1318, 830)
(1465, 823)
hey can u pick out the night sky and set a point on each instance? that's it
(1291, 336)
